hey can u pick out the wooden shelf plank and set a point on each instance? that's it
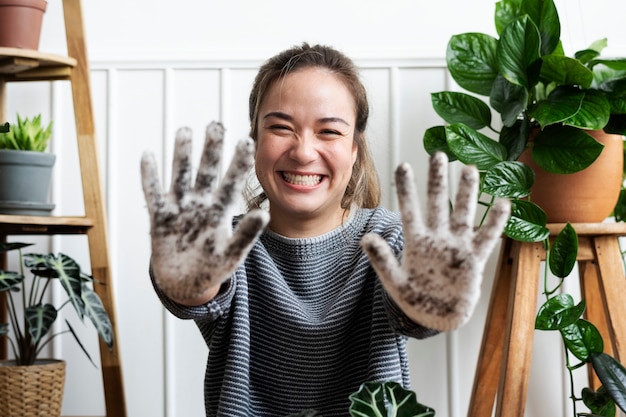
(25, 64)
(43, 225)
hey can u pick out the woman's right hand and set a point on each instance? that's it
(194, 249)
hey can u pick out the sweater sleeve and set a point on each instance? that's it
(211, 311)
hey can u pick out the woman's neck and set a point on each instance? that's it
(305, 225)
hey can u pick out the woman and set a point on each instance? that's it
(306, 299)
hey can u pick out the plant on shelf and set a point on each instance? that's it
(581, 338)
(535, 88)
(27, 135)
(31, 320)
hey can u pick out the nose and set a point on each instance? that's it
(303, 149)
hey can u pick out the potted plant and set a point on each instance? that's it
(20, 23)
(30, 327)
(26, 167)
(548, 104)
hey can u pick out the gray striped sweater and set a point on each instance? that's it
(302, 323)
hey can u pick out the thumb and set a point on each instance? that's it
(383, 260)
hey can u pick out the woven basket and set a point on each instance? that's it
(32, 391)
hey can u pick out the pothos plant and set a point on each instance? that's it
(31, 318)
(525, 77)
(381, 399)
(582, 340)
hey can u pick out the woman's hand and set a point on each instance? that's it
(438, 282)
(194, 249)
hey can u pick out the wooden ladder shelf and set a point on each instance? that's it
(26, 65)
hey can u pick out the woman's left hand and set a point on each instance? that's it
(438, 281)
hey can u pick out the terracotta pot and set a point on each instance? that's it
(587, 196)
(20, 23)
(34, 390)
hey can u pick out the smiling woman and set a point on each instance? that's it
(298, 316)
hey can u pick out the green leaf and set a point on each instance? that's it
(515, 138)
(67, 271)
(9, 280)
(517, 50)
(40, 319)
(509, 179)
(582, 339)
(560, 105)
(388, 399)
(558, 312)
(471, 59)
(527, 222)
(4, 127)
(565, 149)
(508, 99)
(563, 252)
(474, 148)
(80, 344)
(612, 375)
(618, 64)
(593, 114)
(564, 70)
(599, 402)
(435, 141)
(461, 108)
(9, 246)
(94, 309)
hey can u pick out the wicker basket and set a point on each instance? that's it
(32, 391)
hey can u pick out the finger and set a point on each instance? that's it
(246, 234)
(211, 155)
(181, 163)
(492, 229)
(408, 201)
(462, 219)
(150, 181)
(383, 260)
(438, 199)
(235, 176)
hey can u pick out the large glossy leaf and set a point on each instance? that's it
(560, 105)
(582, 339)
(471, 59)
(10, 280)
(456, 107)
(435, 141)
(94, 309)
(599, 402)
(527, 222)
(593, 114)
(508, 99)
(518, 50)
(563, 252)
(613, 377)
(558, 312)
(508, 179)
(40, 319)
(474, 148)
(542, 12)
(564, 70)
(388, 399)
(565, 149)
(618, 64)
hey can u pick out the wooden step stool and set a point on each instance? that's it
(503, 367)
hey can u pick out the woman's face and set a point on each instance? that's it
(306, 150)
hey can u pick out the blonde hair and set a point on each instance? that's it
(363, 189)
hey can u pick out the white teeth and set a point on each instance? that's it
(302, 179)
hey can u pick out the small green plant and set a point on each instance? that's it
(32, 325)
(381, 399)
(581, 339)
(26, 135)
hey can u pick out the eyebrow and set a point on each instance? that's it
(285, 116)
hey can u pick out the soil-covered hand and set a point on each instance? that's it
(194, 248)
(437, 283)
